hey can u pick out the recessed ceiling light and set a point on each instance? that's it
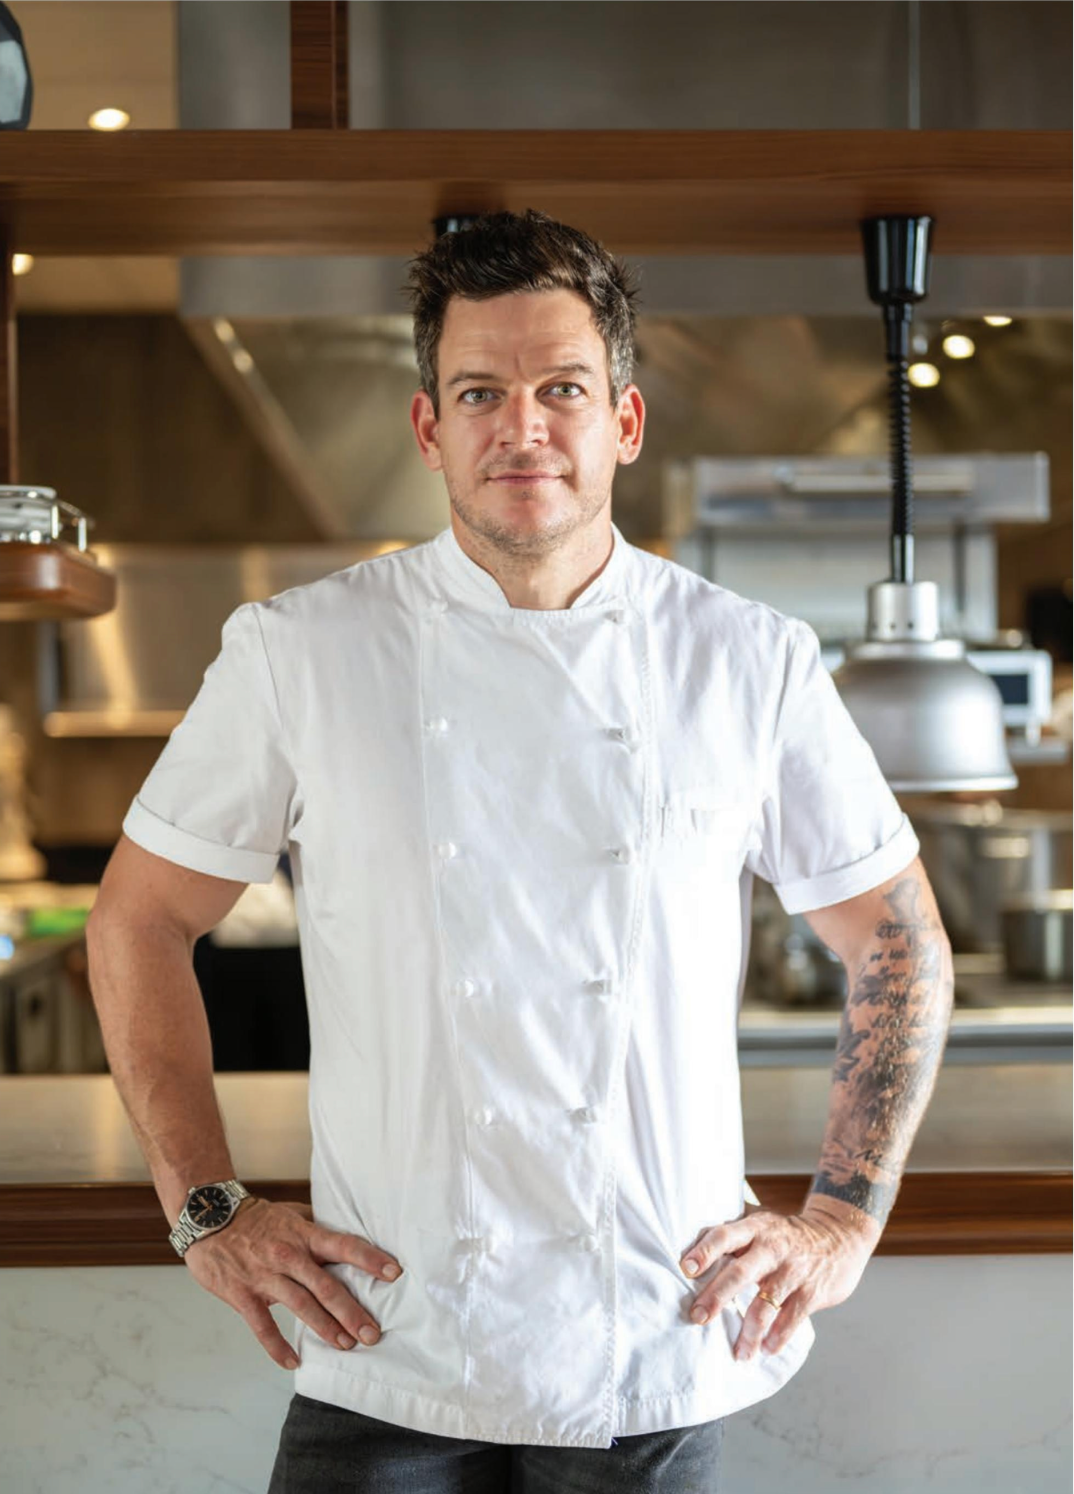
(957, 346)
(998, 321)
(923, 375)
(21, 264)
(109, 119)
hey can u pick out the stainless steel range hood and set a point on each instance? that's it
(134, 671)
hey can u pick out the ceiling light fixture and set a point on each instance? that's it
(997, 321)
(958, 346)
(109, 119)
(934, 722)
(22, 264)
(923, 375)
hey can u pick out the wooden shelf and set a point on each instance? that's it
(640, 192)
(944, 1213)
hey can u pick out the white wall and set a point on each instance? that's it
(946, 1374)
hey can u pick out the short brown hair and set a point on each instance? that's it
(499, 253)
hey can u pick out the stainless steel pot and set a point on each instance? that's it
(979, 855)
(1037, 935)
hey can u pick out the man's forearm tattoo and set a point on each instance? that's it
(891, 1041)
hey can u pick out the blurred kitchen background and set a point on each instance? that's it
(237, 426)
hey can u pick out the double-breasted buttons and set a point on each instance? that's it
(587, 1114)
(589, 1242)
(436, 726)
(464, 987)
(447, 850)
(484, 1115)
(622, 854)
(630, 738)
(600, 986)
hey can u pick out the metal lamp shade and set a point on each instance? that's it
(934, 722)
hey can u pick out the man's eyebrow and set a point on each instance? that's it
(468, 376)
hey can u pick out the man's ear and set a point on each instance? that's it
(426, 430)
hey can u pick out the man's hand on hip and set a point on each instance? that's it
(806, 1261)
(274, 1252)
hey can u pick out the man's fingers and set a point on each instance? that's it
(341, 1303)
(302, 1302)
(268, 1335)
(737, 1272)
(353, 1250)
(759, 1320)
(793, 1315)
(721, 1239)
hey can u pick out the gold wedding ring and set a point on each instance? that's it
(767, 1298)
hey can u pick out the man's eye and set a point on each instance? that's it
(464, 397)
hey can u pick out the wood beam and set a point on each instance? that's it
(175, 192)
(9, 423)
(320, 97)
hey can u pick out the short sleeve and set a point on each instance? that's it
(221, 795)
(830, 826)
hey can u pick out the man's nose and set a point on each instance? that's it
(523, 417)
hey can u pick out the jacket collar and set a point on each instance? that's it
(469, 582)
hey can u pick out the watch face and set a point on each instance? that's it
(209, 1207)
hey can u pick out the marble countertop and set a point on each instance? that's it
(72, 1129)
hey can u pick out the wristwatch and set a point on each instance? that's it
(208, 1208)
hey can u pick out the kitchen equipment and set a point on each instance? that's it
(934, 722)
(978, 856)
(42, 575)
(1037, 934)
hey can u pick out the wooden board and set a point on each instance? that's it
(640, 192)
(936, 1213)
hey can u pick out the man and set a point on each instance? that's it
(526, 773)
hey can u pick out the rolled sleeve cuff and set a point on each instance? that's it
(847, 881)
(154, 834)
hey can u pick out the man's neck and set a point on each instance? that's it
(549, 582)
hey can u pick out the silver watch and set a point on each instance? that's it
(208, 1208)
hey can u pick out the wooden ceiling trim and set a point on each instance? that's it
(9, 423)
(319, 83)
(640, 192)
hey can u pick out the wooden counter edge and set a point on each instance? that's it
(936, 1213)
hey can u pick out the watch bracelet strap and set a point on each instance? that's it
(185, 1233)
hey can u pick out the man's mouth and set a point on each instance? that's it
(530, 477)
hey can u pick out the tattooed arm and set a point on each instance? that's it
(891, 1043)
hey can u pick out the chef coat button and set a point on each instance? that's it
(617, 615)
(446, 849)
(588, 1113)
(464, 987)
(630, 739)
(437, 608)
(484, 1116)
(437, 725)
(599, 987)
(622, 854)
(590, 1242)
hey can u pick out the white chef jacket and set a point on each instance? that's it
(522, 845)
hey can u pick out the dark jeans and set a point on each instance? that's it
(329, 1450)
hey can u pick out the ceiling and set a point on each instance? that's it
(86, 55)
(328, 393)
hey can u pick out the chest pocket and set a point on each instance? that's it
(697, 826)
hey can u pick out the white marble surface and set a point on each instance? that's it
(945, 1374)
(61, 1128)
